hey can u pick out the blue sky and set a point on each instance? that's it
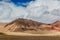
(20, 2)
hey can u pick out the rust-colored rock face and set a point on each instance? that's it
(22, 25)
(56, 25)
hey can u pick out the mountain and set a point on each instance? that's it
(25, 25)
(22, 25)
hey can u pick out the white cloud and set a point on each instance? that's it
(10, 11)
(40, 10)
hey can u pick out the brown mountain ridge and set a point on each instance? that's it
(25, 25)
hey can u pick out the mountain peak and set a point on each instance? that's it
(22, 24)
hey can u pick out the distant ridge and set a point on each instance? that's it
(25, 22)
(22, 25)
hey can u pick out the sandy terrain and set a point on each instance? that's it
(2, 26)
